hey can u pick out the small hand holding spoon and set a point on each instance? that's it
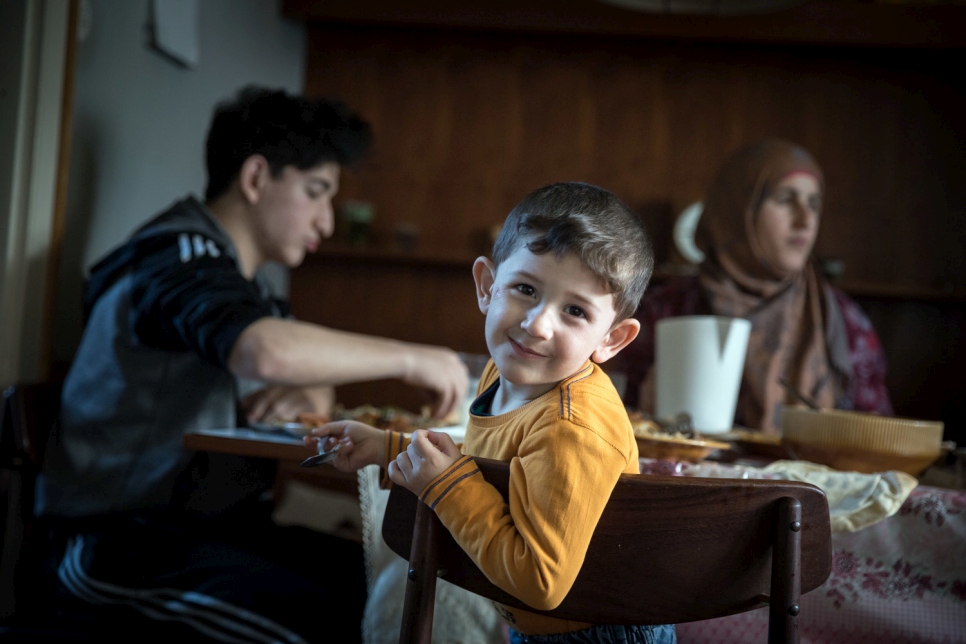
(323, 456)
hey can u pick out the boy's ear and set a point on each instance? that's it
(619, 337)
(252, 177)
(484, 274)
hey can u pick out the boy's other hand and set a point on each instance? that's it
(441, 371)
(361, 444)
(428, 455)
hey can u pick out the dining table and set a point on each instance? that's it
(286, 448)
(899, 580)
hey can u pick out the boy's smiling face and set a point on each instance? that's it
(545, 316)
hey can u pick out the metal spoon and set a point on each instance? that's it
(323, 456)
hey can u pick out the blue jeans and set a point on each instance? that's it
(604, 634)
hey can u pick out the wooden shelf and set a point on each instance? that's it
(858, 288)
(816, 22)
(378, 255)
(855, 288)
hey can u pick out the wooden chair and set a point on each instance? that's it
(667, 550)
(30, 413)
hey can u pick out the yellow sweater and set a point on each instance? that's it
(566, 451)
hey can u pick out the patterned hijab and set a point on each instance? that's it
(797, 327)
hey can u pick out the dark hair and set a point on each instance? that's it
(607, 236)
(285, 129)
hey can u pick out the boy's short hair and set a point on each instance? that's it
(285, 129)
(607, 236)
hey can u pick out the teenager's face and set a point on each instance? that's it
(787, 222)
(295, 212)
(545, 316)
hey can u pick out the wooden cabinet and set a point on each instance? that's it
(474, 104)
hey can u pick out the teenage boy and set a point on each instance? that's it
(141, 530)
(568, 270)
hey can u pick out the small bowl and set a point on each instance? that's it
(675, 448)
(860, 442)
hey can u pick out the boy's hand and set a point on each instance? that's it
(428, 455)
(361, 444)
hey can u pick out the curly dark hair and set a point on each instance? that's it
(285, 129)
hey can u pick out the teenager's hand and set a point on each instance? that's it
(428, 455)
(361, 444)
(441, 371)
(278, 403)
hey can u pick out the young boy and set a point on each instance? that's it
(568, 270)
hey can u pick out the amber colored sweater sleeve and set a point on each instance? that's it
(396, 442)
(533, 546)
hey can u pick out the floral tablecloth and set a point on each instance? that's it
(902, 580)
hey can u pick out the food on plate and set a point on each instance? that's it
(389, 417)
(671, 441)
(646, 426)
(310, 419)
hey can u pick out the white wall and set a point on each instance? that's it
(140, 121)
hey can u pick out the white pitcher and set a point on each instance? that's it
(698, 361)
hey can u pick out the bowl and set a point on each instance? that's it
(861, 442)
(666, 447)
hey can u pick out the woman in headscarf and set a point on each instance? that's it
(757, 231)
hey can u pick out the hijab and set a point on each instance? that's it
(798, 332)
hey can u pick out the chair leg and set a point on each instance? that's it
(786, 581)
(417, 621)
(13, 535)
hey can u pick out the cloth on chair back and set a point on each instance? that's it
(461, 616)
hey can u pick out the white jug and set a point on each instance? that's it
(698, 361)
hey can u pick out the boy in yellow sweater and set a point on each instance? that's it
(568, 271)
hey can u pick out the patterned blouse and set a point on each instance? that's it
(684, 296)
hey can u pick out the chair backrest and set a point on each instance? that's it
(666, 550)
(29, 415)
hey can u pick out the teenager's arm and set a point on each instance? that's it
(276, 402)
(290, 352)
(203, 304)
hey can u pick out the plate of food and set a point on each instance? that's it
(400, 420)
(750, 443)
(301, 426)
(673, 441)
(388, 417)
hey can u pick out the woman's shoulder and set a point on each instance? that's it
(868, 389)
(865, 348)
(856, 320)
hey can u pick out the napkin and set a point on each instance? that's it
(855, 500)
(460, 615)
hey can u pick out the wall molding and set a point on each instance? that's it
(35, 108)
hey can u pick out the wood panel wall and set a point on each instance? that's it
(468, 122)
